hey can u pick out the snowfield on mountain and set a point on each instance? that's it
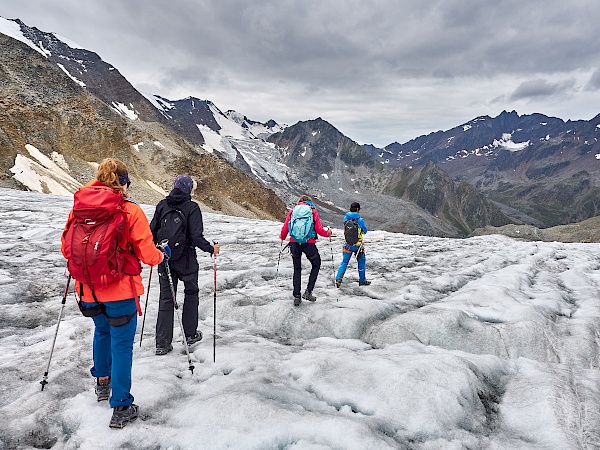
(487, 343)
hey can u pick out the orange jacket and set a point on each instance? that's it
(143, 247)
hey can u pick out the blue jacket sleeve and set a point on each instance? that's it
(362, 225)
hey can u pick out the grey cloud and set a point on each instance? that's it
(317, 54)
(541, 88)
(594, 83)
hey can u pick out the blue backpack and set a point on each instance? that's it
(302, 226)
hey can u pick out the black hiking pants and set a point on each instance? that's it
(166, 309)
(312, 253)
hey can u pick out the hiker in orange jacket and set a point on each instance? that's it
(114, 307)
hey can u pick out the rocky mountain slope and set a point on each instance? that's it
(51, 122)
(587, 231)
(459, 203)
(542, 166)
(424, 201)
(490, 171)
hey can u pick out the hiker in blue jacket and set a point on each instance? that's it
(354, 229)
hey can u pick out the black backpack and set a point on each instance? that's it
(173, 228)
(351, 231)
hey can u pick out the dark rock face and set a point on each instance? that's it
(314, 145)
(100, 78)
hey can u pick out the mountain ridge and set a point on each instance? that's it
(532, 168)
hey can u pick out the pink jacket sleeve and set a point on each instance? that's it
(284, 229)
(318, 226)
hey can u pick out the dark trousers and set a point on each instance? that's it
(312, 253)
(166, 309)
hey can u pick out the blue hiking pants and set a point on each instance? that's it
(360, 258)
(113, 349)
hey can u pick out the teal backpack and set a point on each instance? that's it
(302, 225)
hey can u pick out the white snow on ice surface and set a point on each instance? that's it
(481, 343)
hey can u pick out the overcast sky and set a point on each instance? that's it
(379, 70)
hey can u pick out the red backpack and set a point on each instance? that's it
(96, 238)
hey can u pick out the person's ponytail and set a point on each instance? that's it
(109, 171)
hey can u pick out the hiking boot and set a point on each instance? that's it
(338, 283)
(297, 300)
(122, 417)
(102, 389)
(366, 283)
(195, 338)
(163, 350)
(309, 296)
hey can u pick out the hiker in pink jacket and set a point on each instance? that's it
(303, 225)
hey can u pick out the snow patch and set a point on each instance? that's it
(324, 175)
(507, 143)
(43, 175)
(13, 30)
(59, 160)
(124, 110)
(157, 188)
(79, 82)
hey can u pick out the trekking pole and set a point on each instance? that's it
(215, 306)
(187, 350)
(277, 272)
(333, 269)
(146, 306)
(332, 263)
(44, 382)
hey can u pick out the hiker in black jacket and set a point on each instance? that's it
(183, 264)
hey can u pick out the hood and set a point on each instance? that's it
(177, 197)
(351, 215)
